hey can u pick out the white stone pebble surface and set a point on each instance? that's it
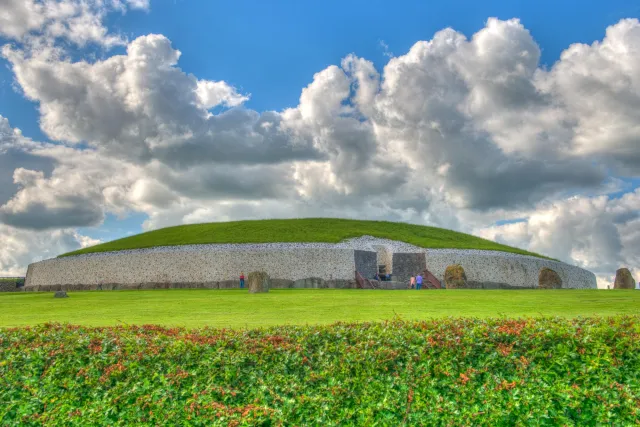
(291, 261)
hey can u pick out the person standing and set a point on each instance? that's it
(412, 282)
(241, 280)
(419, 281)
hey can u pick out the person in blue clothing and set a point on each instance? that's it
(241, 280)
(419, 281)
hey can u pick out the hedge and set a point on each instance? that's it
(547, 371)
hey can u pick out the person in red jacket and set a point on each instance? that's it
(241, 280)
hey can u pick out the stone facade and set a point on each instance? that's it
(407, 264)
(191, 267)
(296, 265)
(366, 263)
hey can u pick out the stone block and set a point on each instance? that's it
(309, 283)
(211, 285)
(258, 282)
(8, 287)
(281, 283)
(230, 284)
(624, 279)
(406, 265)
(366, 263)
(455, 277)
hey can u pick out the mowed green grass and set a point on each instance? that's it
(239, 309)
(300, 230)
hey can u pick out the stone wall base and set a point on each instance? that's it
(311, 283)
(8, 287)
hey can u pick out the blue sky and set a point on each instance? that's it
(514, 152)
(272, 49)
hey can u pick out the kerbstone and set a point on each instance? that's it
(455, 277)
(549, 279)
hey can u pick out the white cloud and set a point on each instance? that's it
(22, 247)
(141, 106)
(212, 94)
(76, 21)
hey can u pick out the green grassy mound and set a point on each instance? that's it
(452, 372)
(299, 230)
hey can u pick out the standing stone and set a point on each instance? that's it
(624, 279)
(549, 279)
(257, 282)
(455, 277)
(60, 294)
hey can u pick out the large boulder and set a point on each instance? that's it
(455, 277)
(624, 279)
(258, 281)
(60, 294)
(549, 279)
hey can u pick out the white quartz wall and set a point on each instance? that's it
(501, 267)
(289, 261)
(133, 267)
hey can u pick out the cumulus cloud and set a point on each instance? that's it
(141, 106)
(457, 132)
(16, 151)
(212, 94)
(42, 204)
(79, 22)
(599, 86)
(18, 247)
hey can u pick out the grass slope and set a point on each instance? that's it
(299, 230)
(238, 309)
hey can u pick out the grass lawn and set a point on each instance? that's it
(299, 230)
(238, 309)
